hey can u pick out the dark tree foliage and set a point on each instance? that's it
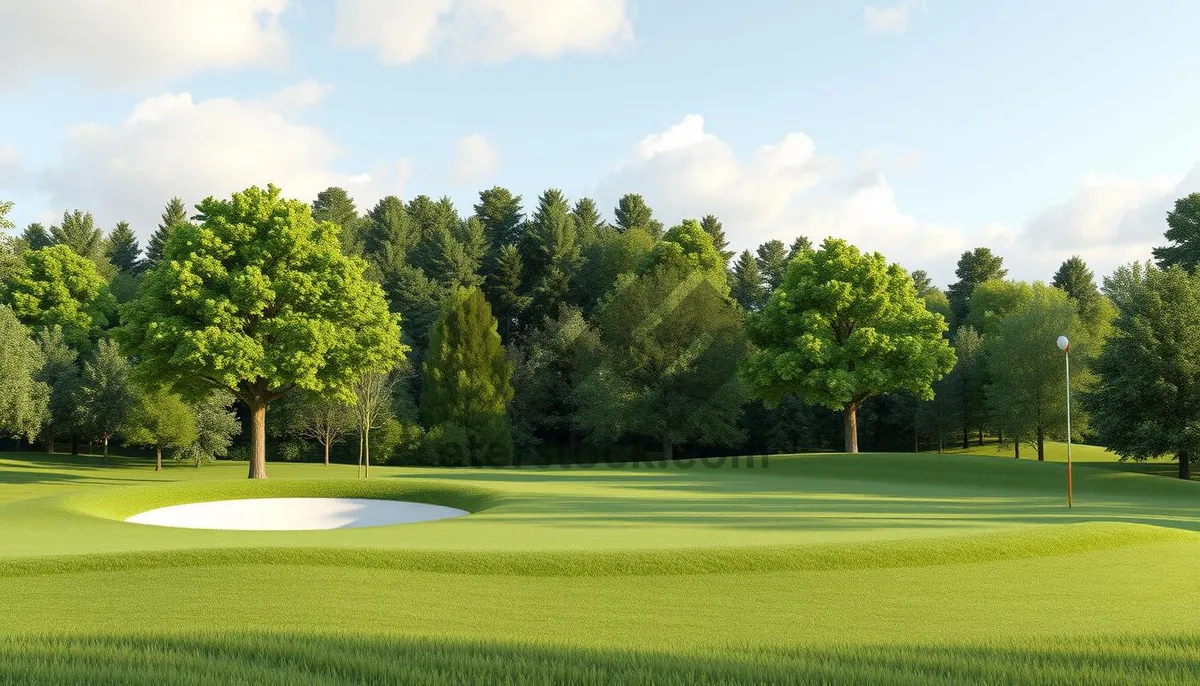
(1077, 281)
(714, 228)
(588, 222)
(922, 282)
(746, 283)
(974, 267)
(78, 232)
(800, 245)
(1183, 232)
(173, 215)
(502, 217)
(122, 250)
(335, 205)
(632, 212)
(36, 236)
(772, 262)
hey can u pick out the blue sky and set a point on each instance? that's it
(1041, 129)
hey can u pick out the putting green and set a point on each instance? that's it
(908, 568)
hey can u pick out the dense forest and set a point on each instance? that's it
(546, 332)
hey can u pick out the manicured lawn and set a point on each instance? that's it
(871, 568)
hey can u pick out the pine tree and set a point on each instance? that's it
(502, 217)
(800, 245)
(335, 205)
(174, 214)
(974, 267)
(36, 237)
(467, 377)
(632, 212)
(772, 262)
(588, 222)
(79, 233)
(122, 250)
(390, 234)
(713, 226)
(746, 283)
(505, 288)
(551, 254)
(922, 283)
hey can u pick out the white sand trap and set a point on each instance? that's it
(294, 514)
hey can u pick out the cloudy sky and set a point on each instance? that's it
(919, 128)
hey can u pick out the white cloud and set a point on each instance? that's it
(401, 32)
(172, 145)
(307, 93)
(10, 166)
(475, 160)
(120, 43)
(892, 19)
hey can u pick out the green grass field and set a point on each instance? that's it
(823, 568)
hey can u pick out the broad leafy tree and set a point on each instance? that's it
(613, 254)
(60, 373)
(467, 377)
(258, 299)
(57, 287)
(664, 363)
(994, 300)
(965, 385)
(23, 398)
(1146, 402)
(216, 427)
(974, 267)
(159, 419)
(1183, 232)
(845, 326)
(106, 394)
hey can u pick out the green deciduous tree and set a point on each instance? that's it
(60, 373)
(772, 262)
(258, 299)
(159, 419)
(665, 360)
(122, 249)
(1026, 375)
(174, 214)
(57, 287)
(994, 300)
(23, 398)
(216, 427)
(1146, 402)
(467, 377)
(614, 253)
(965, 385)
(106, 394)
(746, 283)
(844, 327)
(323, 419)
(78, 232)
(1183, 232)
(974, 267)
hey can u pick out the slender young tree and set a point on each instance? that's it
(23, 398)
(106, 395)
(160, 419)
(324, 420)
(844, 327)
(257, 300)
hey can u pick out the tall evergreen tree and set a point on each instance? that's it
(746, 283)
(772, 262)
(542, 379)
(551, 254)
(390, 234)
(502, 217)
(632, 212)
(974, 267)
(78, 232)
(122, 250)
(801, 245)
(1183, 232)
(506, 291)
(588, 222)
(335, 205)
(173, 215)
(36, 237)
(922, 283)
(1078, 282)
(467, 377)
(713, 226)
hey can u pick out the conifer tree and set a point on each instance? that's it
(1183, 232)
(467, 377)
(173, 215)
(713, 226)
(746, 283)
(122, 250)
(500, 213)
(36, 237)
(772, 262)
(551, 254)
(79, 233)
(632, 212)
(505, 287)
(588, 222)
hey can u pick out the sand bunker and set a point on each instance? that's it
(294, 514)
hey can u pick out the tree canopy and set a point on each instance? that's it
(56, 286)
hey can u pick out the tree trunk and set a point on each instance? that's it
(1185, 466)
(74, 445)
(367, 454)
(1017, 449)
(258, 441)
(360, 446)
(106, 450)
(916, 440)
(966, 436)
(1041, 441)
(668, 448)
(850, 427)
(981, 435)
(50, 443)
(158, 458)
(327, 454)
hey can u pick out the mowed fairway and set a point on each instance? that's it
(872, 568)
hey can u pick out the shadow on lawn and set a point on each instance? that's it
(260, 657)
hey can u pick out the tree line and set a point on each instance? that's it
(551, 334)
